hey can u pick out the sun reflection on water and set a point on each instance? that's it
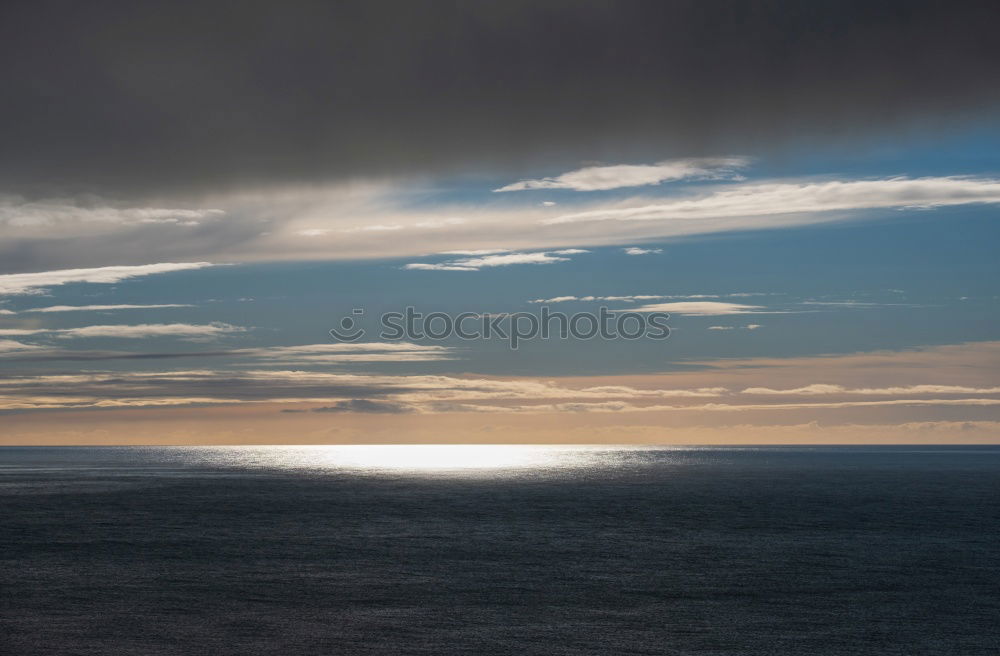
(428, 458)
(441, 456)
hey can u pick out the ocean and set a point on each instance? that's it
(500, 550)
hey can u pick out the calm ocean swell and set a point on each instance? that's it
(499, 550)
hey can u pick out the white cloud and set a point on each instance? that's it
(429, 224)
(33, 283)
(844, 404)
(805, 198)
(137, 331)
(627, 299)
(10, 346)
(625, 406)
(562, 299)
(419, 266)
(355, 352)
(511, 258)
(820, 389)
(623, 391)
(378, 227)
(353, 347)
(483, 251)
(499, 259)
(440, 223)
(749, 326)
(700, 308)
(333, 358)
(18, 212)
(599, 178)
(97, 308)
(634, 250)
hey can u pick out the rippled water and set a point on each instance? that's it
(499, 549)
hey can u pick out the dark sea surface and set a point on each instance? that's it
(500, 550)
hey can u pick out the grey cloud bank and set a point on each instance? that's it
(134, 99)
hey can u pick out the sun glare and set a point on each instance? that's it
(439, 456)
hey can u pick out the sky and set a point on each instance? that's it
(193, 195)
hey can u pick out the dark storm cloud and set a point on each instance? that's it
(144, 97)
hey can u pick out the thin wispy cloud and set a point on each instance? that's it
(14, 346)
(626, 407)
(482, 251)
(821, 389)
(103, 308)
(139, 331)
(35, 283)
(700, 308)
(18, 212)
(806, 198)
(427, 224)
(434, 224)
(602, 178)
(355, 352)
(422, 266)
(627, 299)
(114, 389)
(635, 250)
(499, 259)
(565, 299)
(313, 354)
(378, 227)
